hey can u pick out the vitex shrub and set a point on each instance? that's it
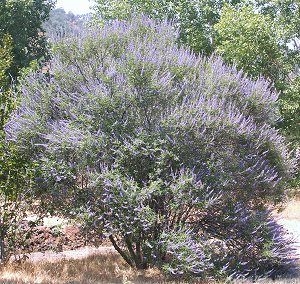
(173, 155)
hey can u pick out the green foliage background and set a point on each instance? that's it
(23, 45)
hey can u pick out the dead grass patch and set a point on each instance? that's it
(277, 281)
(103, 268)
(109, 268)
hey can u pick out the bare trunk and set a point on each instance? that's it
(2, 246)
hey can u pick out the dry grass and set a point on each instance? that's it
(109, 268)
(279, 281)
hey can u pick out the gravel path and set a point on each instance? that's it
(293, 228)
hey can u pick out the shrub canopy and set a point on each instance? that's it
(173, 155)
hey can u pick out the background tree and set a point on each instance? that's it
(22, 45)
(6, 59)
(251, 41)
(286, 15)
(22, 20)
(22, 42)
(61, 23)
(263, 41)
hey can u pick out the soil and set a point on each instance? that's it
(53, 243)
(69, 237)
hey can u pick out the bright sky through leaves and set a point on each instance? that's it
(75, 6)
